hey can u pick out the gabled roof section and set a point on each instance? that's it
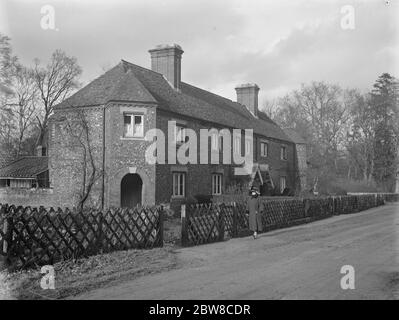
(115, 84)
(25, 167)
(130, 82)
(195, 102)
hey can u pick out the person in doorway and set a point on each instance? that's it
(254, 207)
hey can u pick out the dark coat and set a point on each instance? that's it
(255, 207)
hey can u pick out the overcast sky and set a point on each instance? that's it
(276, 44)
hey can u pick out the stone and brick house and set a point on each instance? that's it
(124, 103)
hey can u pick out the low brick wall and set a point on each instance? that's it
(28, 197)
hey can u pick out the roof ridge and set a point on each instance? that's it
(140, 67)
(215, 94)
(223, 98)
(24, 157)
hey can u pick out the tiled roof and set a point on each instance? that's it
(4, 160)
(26, 167)
(129, 82)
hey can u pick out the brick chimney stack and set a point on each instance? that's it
(166, 59)
(247, 95)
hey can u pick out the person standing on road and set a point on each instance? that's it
(254, 207)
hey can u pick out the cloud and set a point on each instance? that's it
(277, 44)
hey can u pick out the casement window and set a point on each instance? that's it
(215, 140)
(179, 184)
(237, 145)
(217, 183)
(180, 134)
(283, 184)
(264, 149)
(21, 183)
(133, 125)
(248, 146)
(283, 153)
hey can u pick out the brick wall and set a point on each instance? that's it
(199, 176)
(122, 156)
(65, 157)
(28, 197)
(127, 155)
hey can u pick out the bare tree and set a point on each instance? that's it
(23, 101)
(319, 113)
(78, 130)
(55, 82)
(271, 108)
(6, 58)
(360, 144)
(7, 125)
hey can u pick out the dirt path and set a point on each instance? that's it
(302, 262)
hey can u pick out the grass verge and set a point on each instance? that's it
(76, 277)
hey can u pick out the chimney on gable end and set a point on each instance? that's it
(247, 95)
(166, 59)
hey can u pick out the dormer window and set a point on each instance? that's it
(133, 125)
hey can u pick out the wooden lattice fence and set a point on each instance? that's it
(205, 223)
(36, 236)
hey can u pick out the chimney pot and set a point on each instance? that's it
(247, 95)
(166, 59)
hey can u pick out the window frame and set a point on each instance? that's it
(217, 184)
(264, 144)
(176, 179)
(215, 142)
(182, 128)
(248, 142)
(237, 145)
(283, 178)
(132, 116)
(283, 153)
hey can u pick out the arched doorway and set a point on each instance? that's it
(131, 188)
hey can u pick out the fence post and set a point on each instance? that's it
(100, 242)
(235, 220)
(306, 207)
(221, 223)
(5, 240)
(160, 230)
(184, 235)
(333, 205)
(8, 239)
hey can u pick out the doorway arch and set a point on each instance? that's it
(131, 190)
